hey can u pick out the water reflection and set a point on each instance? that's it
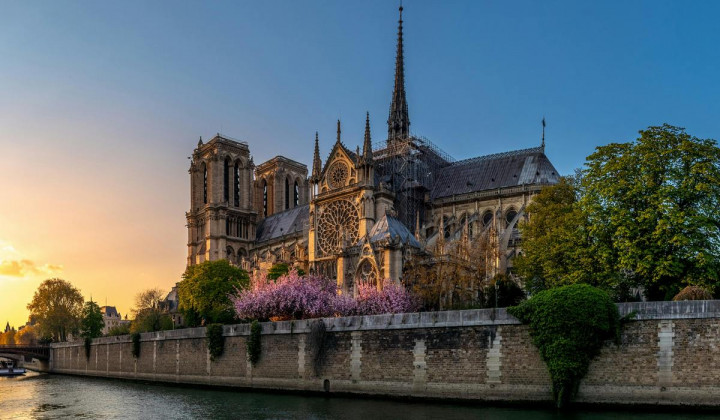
(50, 397)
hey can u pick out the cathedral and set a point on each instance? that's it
(360, 215)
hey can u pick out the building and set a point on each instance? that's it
(112, 318)
(361, 215)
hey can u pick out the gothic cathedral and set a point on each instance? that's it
(362, 215)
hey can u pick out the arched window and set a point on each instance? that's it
(487, 218)
(287, 194)
(265, 203)
(296, 194)
(509, 216)
(448, 228)
(237, 185)
(205, 185)
(226, 179)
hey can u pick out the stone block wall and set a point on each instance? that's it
(669, 355)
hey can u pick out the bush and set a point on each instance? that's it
(135, 345)
(569, 325)
(215, 340)
(313, 296)
(122, 329)
(693, 293)
(254, 346)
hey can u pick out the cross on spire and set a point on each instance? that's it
(399, 120)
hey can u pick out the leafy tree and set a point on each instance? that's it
(557, 247)
(653, 209)
(568, 325)
(92, 323)
(204, 293)
(8, 337)
(27, 336)
(148, 316)
(121, 329)
(281, 269)
(503, 292)
(57, 308)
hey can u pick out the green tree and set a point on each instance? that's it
(57, 308)
(92, 323)
(557, 247)
(204, 293)
(281, 269)
(653, 209)
(148, 315)
(122, 329)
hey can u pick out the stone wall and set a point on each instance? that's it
(669, 355)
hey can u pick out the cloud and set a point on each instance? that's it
(24, 267)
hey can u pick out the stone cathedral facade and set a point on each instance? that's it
(359, 215)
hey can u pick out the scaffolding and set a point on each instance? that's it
(408, 168)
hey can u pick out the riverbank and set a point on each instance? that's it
(666, 357)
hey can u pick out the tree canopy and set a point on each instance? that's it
(642, 214)
(57, 308)
(204, 293)
(92, 322)
(148, 316)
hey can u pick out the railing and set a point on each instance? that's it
(36, 351)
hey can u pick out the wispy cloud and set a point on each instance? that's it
(13, 264)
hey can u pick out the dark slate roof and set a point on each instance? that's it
(391, 230)
(502, 170)
(109, 311)
(285, 223)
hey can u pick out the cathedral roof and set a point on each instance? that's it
(284, 223)
(109, 311)
(390, 230)
(501, 170)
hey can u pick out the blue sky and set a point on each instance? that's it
(103, 101)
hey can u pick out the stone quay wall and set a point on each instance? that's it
(669, 355)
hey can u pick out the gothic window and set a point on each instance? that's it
(226, 179)
(366, 273)
(296, 195)
(337, 175)
(510, 215)
(487, 218)
(205, 185)
(287, 194)
(338, 223)
(265, 203)
(237, 185)
(448, 228)
(229, 254)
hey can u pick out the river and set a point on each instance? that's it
(37, 396)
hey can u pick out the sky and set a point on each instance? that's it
(101, 103)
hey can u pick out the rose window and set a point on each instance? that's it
(337, 222)
(337, 175)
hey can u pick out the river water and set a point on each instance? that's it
(37, 396)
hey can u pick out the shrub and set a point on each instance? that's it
(569, 325)
(313, 296)
(215, 340)
(693, 293)
(122, 329)
(254, 346)
(135, 344)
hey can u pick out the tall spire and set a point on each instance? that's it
(543, 135)
(338, 132)
(367, 144)
(398, 120)
(317, 163)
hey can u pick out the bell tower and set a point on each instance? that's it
(221, 222)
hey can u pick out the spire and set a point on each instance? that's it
(317, 163)
(543, 133)
(398, 120)
(338, 132)
(367, 144)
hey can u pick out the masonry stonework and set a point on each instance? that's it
(669, 355)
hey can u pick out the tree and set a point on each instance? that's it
(557, 247)
(653, 209)
(281, 269)
(57, 308)
(27, 336)
(92, 323)
(204, 293)
(148, 316)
